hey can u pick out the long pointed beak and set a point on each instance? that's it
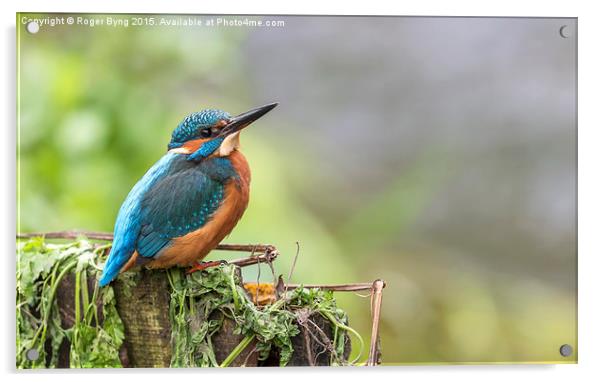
(245, 119)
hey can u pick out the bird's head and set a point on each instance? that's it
(212, 132)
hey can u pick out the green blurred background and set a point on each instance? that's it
(438, 154)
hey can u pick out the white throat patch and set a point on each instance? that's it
(229, 144)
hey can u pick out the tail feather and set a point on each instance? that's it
(115, 262)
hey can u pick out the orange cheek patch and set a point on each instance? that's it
(192, 146)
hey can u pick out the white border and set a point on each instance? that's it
(590, 184)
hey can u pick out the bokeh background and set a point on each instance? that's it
(438, 154)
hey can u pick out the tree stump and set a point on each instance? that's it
(144, 311)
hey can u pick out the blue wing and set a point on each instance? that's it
(176, 205)
(173, 198)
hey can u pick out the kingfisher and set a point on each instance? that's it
(189, 200)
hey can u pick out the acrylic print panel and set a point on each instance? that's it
(435, 154)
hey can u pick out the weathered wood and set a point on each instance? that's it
(225, 341)
(159, 304)
(313, 345)
(144, 310)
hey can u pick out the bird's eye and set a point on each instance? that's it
(206, 133)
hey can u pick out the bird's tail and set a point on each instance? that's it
(115, 262)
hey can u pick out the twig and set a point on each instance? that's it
(246, 247)
(377, 293)
(106, 236)
(271, 265)
(257, 280)
(244, 364)
(267, 257)
(327, 345)
(290, 273)
(308, 354)
(303, 318)
(68, 235)
(353, 287)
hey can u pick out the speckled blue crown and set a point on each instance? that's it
(191, 126)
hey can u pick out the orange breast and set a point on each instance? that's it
(194, 246)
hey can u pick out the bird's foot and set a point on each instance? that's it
(204, 265)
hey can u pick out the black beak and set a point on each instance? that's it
(245, 119)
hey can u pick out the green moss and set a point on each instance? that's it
(218, 290)
(199, 304)
(40, 268)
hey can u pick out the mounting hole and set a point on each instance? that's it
(564, 31)
(566, 350)
(32, 27)
(32, 354)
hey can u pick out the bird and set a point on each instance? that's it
(189, 200)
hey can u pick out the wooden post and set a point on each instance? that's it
(144, 311)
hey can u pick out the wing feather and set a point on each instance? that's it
(177, 205)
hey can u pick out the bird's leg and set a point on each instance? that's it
(204, 265)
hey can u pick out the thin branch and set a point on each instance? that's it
(327, 345)
(353, 287)
(68, 235)
(254, 350)
(308, 354)
(290, 273)
(106, 236)
(254, 260)
(246, 247)
(377, 293)
(257, 280)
